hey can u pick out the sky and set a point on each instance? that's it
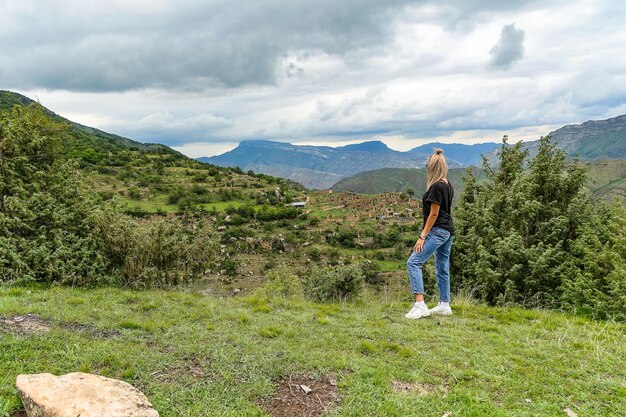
(202, 75)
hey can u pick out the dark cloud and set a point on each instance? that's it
(120, 46)
(510, 47)
(189, 46)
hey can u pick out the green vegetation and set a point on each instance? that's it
(55, 229)
(607, 180)
(400, 180)
(144, 217)
(337, 283)
(534, 237)
(47, 214)
(201, 356)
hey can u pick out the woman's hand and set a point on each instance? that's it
(419, 245)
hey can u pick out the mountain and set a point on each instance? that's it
(591, 140)
(95, 147)
(322, 166)
(152, 178)
(463, 155)
(595, 139)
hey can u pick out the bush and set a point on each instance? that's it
(341, 237)
(155, 253)
(282, 283)
(371, 272)
(134, 193)
(532, 236)
(47, 211)
(331, 284)
(229, 266)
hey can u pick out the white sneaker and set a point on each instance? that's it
(418, 311)
(442, 309)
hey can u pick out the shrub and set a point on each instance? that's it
(530, 235)
(47, 211)
(282, 283)
(155, 253)
(314, 221)
(330, 284)
(229, 266)
(371, 272)
(134, 193)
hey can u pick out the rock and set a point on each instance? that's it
(221, 228)
(87, 395)
(306, 389)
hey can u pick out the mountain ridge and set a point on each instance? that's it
(96, 148)
(322, 166)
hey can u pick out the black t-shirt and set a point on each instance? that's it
(441, 193)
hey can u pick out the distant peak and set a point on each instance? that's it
(371, 146)
(255, 142)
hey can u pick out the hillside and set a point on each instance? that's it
(595, 139)
(463, 155)
(95, 147)
(151, 178)
(321, 166)
(607, 180)
(197, 355)
(399, 180)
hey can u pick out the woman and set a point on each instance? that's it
(436, 238)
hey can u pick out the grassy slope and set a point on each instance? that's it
(88, 140)
(607, 180)
(399, 180)
(201, 356)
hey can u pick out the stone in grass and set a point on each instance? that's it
(87, 395)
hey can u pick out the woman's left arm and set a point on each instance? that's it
(430, 221)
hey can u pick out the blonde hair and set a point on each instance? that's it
(436, 168)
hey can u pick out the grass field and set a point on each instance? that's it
(195, 355)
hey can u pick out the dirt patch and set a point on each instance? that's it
(92, 330)
(19, 414)
(27, 324)
(420, 389)
(302, 396)
(191, 369)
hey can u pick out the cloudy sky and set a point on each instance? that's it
(201, 75)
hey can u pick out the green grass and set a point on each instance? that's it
(389, 266)
(480, 362)
(154, 205)
(222, 205)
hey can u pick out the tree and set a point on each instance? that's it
(47, 213)
(531, 235)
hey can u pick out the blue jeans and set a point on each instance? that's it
(439, 242)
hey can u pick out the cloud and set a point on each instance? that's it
(92, 46)
(207, 74)
(163, 126)
(510, 47)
